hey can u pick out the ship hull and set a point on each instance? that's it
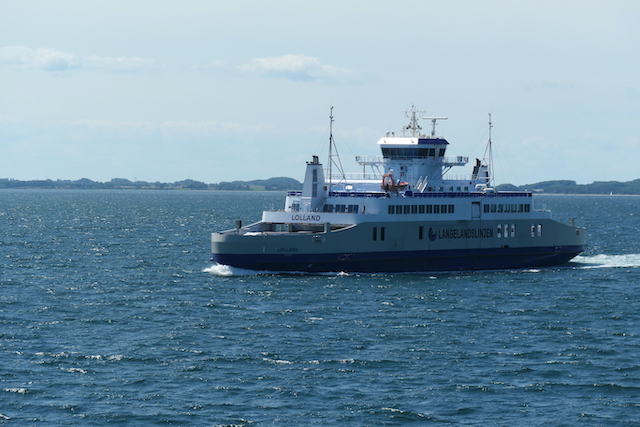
(411, 246)
(405, 261)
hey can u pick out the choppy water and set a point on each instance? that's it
(111, 313)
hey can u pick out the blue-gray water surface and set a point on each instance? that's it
(111, 313)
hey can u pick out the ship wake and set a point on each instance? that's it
(607, 261)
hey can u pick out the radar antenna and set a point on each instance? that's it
(433, 123)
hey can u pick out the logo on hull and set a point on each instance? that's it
(460, 233)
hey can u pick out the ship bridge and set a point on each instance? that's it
(413, 157)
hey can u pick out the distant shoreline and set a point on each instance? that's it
(284, 183)
(271, 184)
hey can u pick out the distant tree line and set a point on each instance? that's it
(570, 187)
(282, 184)
(272, 184)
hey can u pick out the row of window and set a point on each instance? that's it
(341, 208)
(507, 207)
(510, 231)
(411, 152)
(431, 209)
(420, 209)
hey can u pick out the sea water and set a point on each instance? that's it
(111, 313)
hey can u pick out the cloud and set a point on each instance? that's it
(298, 67)
(47, 59)
(40, 59)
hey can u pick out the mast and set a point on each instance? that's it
(487, 158)
(331, 155)
(330, 160)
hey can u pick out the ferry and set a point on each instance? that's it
(405, 212)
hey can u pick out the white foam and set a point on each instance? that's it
(608, 261)
(226, 270)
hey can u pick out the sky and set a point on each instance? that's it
(158, 90)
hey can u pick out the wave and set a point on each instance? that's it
(607, 261)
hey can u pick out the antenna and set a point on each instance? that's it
(413, 125)
(433, 123)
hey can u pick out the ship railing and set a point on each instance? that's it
(379, 160)
(458, 177)
(357, 194)
(456, 194)
(432, 194)
(456, 160)
(441, 194)
(355, 176)
(369, 160)
(421, 184)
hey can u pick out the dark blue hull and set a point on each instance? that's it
(407, 261)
